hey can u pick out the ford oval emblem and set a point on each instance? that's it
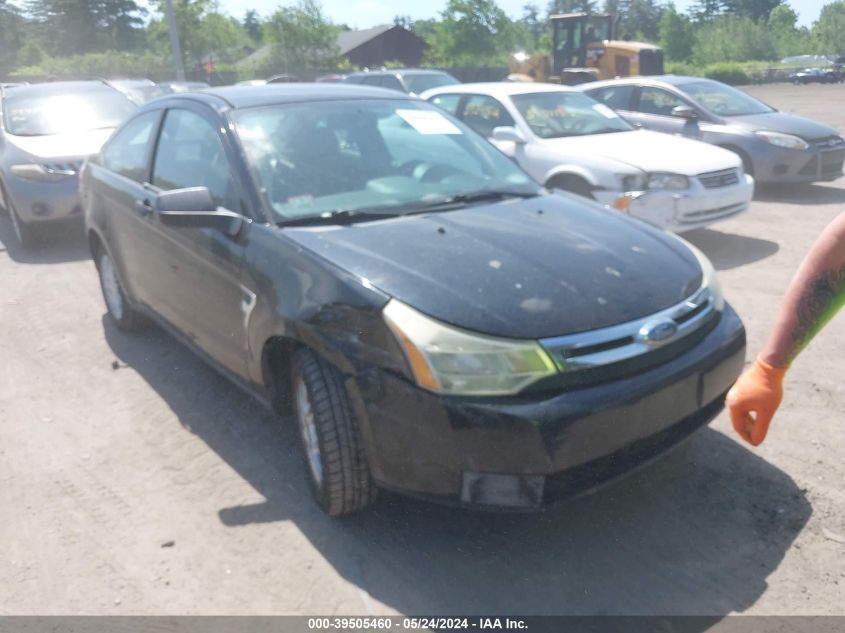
(658, 331)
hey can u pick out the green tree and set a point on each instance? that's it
(733, 38)
(305, 39)
(68, 27)
(828, 30)
(676, 36)
(252, 26)
(640, 20)
(11, 36)
(470, 33)
(783, 25)
(533, 24)
(754, 9)
(570, 6)
(706, 10)
(203, 33)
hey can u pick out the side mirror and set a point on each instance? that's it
(684, 112)
(194, 208)
(508, 133)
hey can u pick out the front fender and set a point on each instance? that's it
(303, 298)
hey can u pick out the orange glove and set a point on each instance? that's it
(753, 400)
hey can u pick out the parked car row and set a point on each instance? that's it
(774, 146)
(437, 321)
(567, 140)
(816, 76)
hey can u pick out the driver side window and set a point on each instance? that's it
(190, 153)
(658, 101)
(483, 114)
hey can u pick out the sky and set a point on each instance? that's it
(366, 13)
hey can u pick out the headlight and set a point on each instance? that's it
(634, 182)
(450, 361)
(668, 181)
(708, 273)
(783, 140)
(40, 173)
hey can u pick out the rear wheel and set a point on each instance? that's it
(336, 462)
(123, 315)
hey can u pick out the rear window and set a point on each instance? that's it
(422, 82)
(41, 115)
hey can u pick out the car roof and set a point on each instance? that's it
(399, 71)
(499, 88)
(672, 80)
(274, 94)
(60, 88)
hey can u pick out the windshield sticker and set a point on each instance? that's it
(428, 122)
(604, 110)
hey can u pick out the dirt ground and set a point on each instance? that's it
(134, 480)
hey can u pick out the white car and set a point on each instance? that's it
(566, 140)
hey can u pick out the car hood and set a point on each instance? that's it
(786, 123)
(527, 269)
(649, 151)
(76, 144)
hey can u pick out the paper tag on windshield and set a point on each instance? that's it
(428, 122)
(604, 110)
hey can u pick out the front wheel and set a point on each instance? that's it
(25, 232)
(123, 315)
(336, 462)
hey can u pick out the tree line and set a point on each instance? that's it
(124, 37)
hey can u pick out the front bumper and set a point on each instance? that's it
(693, 208)
(549, 446)
(775, 164)
(44, 201)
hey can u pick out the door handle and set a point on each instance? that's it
(144, 208)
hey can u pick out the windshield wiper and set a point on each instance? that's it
(339, 216)
(482, 195)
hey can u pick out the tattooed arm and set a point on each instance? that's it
(814, 296)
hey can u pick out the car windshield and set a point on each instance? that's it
(41, 115)
(319, 159)
(724, 100)
(559, 114)
(426, 81)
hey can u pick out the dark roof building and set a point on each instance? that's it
(367, 48)
(380, 44)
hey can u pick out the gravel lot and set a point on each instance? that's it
(134, 480)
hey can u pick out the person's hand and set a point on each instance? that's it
(753, 400)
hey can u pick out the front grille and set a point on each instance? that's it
(614, 352)
(828, 143)
(716, 179)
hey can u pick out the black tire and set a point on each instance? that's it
(25, 232)
(572, 184)
(343, 485)
(121, 312)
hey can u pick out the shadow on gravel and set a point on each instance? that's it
(727, 250)
(59, 243)
(697, 532)
(799, 193)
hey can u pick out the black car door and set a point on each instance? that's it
(205, 299)
(118, 187)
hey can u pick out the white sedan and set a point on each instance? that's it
(566, 140)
